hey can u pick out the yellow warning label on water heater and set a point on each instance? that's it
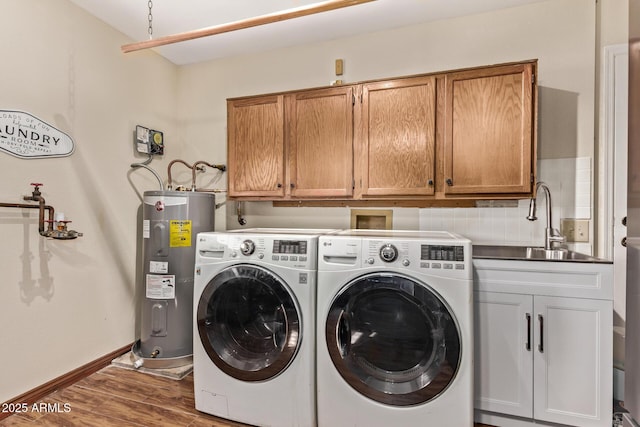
(179, 233)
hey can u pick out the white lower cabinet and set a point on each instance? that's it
(503, 358)
(543, 358)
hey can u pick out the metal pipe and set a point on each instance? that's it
(171, 163)
(240, 213)
(221, 168)
(41, 207)
(210, 190)
(195, 168)
(36, 196)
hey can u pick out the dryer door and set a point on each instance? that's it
(249, 323)
(393, 339)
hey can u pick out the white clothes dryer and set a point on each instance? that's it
(254, 307)
(394, 329)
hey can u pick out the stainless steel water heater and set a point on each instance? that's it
(171, 222)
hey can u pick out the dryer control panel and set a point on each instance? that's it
(442, 257)
(434, 257)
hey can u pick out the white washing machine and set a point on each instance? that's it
(254, 307)
(394, 329)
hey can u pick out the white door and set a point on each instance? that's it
(503, 346)
(620, 179)
(613, 194)
(632, 325)
(573, 378)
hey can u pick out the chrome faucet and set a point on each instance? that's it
(552, 237)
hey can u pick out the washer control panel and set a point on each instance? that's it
(445, 257)
(291, 251)
(283, 246)
(442, 253)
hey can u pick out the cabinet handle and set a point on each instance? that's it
(449, 182)
(527, 346)
(279, 185)
(430, 182)
(541, 343)
(624, 241)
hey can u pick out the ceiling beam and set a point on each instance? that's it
(242, 24)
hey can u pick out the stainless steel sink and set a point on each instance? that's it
(531, 253)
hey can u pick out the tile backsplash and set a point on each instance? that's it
(570, 183)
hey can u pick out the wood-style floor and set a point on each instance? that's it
(119, 397)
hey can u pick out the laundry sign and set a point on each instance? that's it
(26, 136)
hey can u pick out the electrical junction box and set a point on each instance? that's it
(149, 141)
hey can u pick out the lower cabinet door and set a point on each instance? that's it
(572, 368)
(503, 353)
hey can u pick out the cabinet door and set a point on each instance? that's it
(503, 347)
(489, 136)
(396, 138)
(573, 361)
(255, 147)
(320, 140)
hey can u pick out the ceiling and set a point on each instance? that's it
(171, 17)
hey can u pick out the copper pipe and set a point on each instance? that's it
(210, 190)
(36, 196)
(221, 168)
(169, 184)
(41, 207)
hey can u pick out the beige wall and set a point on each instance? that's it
(560, 33)
(613, 23)
(65, 303)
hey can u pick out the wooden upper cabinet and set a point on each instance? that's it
(449, 137)
(255, 147)
(489, 130)
(320, 143)
(395, 141)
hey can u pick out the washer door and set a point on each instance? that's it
(393, 339)
(249, 323)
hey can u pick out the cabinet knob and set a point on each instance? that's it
(449, 182)
(279, 185)
(292, 185)
(624, 242)
(430, 182)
